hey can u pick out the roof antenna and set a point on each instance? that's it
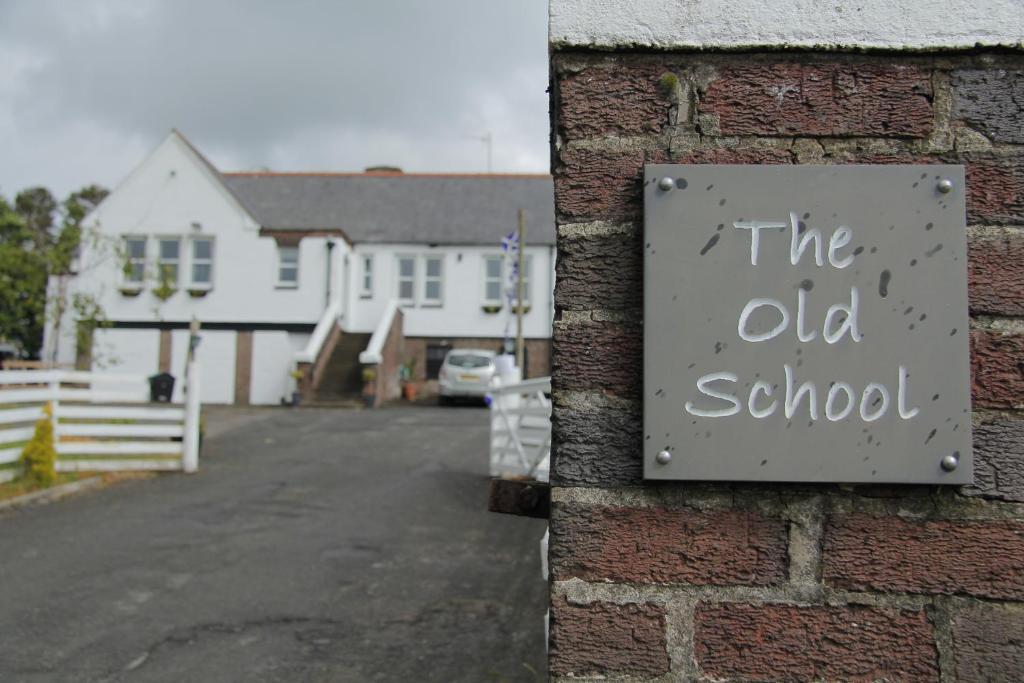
(488, 140)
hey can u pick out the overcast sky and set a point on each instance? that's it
(89, 87)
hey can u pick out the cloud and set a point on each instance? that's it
(298, 85)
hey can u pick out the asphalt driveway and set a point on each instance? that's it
(313, 545)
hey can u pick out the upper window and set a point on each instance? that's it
(202, 262)
(168, 261)
(492, 280)
(135, 260)
(287, 266)
(366, 281)
(433, 280)
(407, 279)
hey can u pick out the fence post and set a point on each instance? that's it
(54, 386)
(190, 443)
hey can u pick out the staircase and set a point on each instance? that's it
(342, 377)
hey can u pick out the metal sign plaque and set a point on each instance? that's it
(806, 324)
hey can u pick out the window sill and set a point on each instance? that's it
(366, 296)
(432, 304)
(280, 285)
(198, 292)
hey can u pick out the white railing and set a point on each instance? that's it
(375, 349)
(521, 429)
(321, 332)
(102, 421)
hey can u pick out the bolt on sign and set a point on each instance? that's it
(806, 324)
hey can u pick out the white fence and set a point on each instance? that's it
(101, 421)
(521, 429)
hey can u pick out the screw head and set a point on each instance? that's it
(950, 462)
(945, 186)
(663, 457)
(666, 184)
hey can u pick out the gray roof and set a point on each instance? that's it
(396, 207)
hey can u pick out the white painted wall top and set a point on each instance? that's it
(836, 24)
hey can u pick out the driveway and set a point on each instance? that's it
(313, 545)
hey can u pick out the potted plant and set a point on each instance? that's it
(410, 387)
(369, 386)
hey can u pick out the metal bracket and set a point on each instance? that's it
(526, 498)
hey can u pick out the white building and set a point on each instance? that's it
(261, 258)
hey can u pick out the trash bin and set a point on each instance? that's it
(161, 387)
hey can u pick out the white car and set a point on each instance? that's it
(465, 373)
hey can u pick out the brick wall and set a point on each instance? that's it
(766, 582)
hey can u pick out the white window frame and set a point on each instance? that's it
(131, 262)
(500, 301)
(366, 276)
(399, 278)
(161, 261)
(427, 279)
(194, 261)
(282, 249)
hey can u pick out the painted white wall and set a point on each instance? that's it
(884, 24)
(169, 194)
(272, 360)
(216, 357)
(129, 351)
(461, 312)
(174, 192)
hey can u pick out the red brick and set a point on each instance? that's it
(643, 545)
(997, 369)
(822, 99)
(598, 355)
(995, 275)
(891, 554)
(601, 183)
(995, 189)
(787, 643)
(989, 643)
(605, 638)
(624, 100)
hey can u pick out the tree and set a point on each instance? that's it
(31, 250)
(22, 282)
(36, 206)
(39, 458)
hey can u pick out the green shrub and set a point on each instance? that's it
(39, 457)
